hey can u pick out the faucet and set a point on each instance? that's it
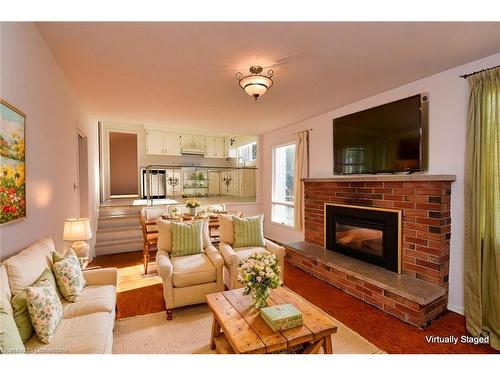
(244, 161)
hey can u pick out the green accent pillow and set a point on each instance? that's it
(187, 238)
(45, 309)
(56, 257)
(10, 340)
(249, 231)
(20, 307)
(69, 276)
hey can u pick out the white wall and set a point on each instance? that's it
(448, 96)
(32, 81)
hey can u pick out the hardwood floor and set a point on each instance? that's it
(140, 294)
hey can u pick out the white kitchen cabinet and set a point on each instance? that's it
(199, 141)
(159, 142)
(193, 141)
(155, 142)
(214, 183)
(172, 144)
(210, 147)
(187, 141)
(173, 182)
(214, 147)
(219, 147)
(230, 183)
(246, 182)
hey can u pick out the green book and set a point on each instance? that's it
(284, 325)
(280, 314)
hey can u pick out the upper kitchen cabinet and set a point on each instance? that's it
(162, 143)
(193, 142)
(215, 147)
(154, 142)
(173, 144)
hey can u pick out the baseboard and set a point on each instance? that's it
(458, 309)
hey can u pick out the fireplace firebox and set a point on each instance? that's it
(367, 233)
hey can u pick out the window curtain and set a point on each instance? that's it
(301, 171)
(482, 207)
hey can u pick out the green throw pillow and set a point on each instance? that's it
(248, 231)
(69, 276)
(20, 307)
(56, 257)
(187, 238)
(10, 340)
(45, 309)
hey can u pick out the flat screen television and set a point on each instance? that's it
(389, 138)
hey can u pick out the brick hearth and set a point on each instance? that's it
(425, 204)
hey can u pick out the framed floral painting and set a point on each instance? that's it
(12, 164)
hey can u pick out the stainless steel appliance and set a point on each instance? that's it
(157, 178)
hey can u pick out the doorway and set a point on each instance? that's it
(123, 170)
(83, 176)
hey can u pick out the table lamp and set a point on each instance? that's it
(78, 230)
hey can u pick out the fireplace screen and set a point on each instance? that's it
(370, 234)
(360, 239)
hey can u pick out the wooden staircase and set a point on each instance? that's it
(119, 229)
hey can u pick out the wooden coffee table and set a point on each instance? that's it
(237, 326)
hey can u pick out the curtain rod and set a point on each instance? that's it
(305, 130)
(479, 71)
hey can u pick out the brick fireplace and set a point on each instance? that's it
(420, 292)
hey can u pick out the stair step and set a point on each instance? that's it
(119, 221)
(105, 211)
(119, 216)
(119, 233)
(113, 247)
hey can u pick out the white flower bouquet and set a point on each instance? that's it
(259, 273)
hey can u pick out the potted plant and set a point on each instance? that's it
(192, 204)
(259, 273)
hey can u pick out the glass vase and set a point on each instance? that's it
(260, 296)
(193, 211)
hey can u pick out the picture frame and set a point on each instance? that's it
(12, 163)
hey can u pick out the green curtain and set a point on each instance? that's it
(482, 207)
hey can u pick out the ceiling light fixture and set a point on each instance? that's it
(255, 84)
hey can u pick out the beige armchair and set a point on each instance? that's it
(187, 279)
(233, 256)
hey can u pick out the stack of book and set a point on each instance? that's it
(282, 317)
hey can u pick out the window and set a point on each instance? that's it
(283, 190)
(248, 152)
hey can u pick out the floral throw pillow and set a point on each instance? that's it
(45, 309)
(69, 276)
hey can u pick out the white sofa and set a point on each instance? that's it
(87, 324)
(187, 279)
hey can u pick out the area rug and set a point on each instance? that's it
(189, 333)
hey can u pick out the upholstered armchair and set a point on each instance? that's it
(187, 279)
(233, 256)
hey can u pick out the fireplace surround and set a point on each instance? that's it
(420, 292)
(368, 233)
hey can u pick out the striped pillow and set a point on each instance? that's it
(187, 238)
(248, 231)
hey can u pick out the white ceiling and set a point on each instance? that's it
(182, 75)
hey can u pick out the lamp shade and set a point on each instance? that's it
(77, 230)
(256, 85)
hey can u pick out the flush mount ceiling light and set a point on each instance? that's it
(255, 84)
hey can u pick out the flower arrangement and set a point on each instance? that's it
(259, 273)
(192, 203)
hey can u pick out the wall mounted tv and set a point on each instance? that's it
(389, 138)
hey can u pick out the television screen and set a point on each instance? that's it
(383, 139)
